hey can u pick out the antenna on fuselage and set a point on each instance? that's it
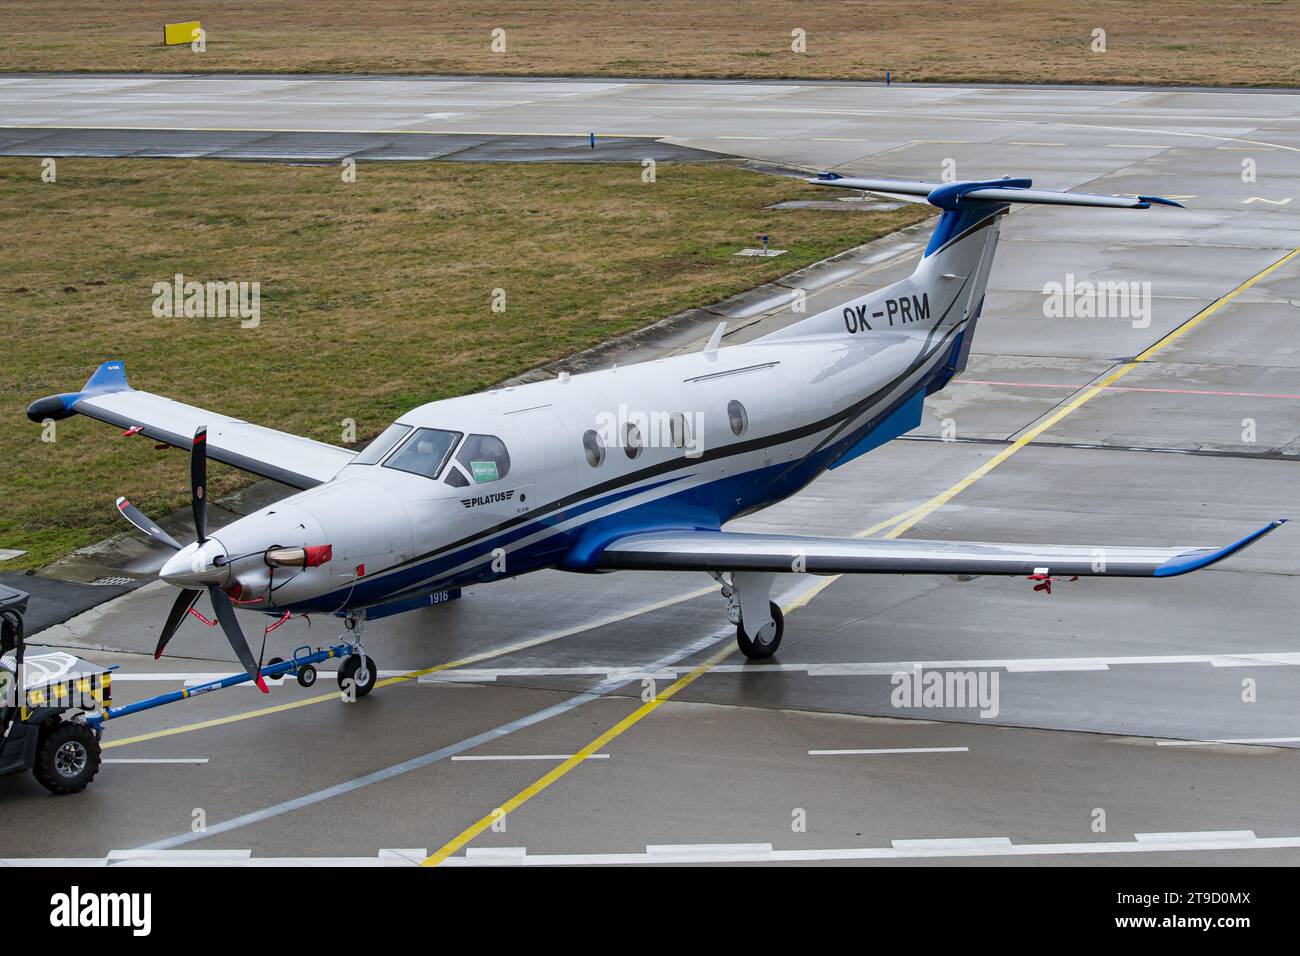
(715, 339)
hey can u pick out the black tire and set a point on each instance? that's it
(67, 757)
(756, 650)
(306, 675)
(348, 671)
(271, 663)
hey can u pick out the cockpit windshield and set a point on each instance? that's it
(425, 452)
(382, 445)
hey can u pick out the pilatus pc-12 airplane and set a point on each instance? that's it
(498, 484)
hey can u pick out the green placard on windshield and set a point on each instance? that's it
(483, 471)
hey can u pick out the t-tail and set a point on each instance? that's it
(946, 292)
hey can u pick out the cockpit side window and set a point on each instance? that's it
(425, 452)
(484, 458)
(382, 445)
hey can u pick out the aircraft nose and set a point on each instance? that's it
(197, 565)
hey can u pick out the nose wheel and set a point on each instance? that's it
(360, 671)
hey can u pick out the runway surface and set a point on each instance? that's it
(1168, 711)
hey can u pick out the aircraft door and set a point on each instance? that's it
(554, 466)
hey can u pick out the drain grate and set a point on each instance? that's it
(112, 581)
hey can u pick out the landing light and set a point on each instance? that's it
(310, 557)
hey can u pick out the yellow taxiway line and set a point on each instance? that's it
(901, 523)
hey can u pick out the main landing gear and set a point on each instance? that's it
(759, 622)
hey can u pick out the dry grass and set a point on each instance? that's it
(375, 296)
(1227, 42)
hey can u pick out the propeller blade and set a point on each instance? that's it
(226, 615)
(138, 518)
(184, 601)
(198, 482)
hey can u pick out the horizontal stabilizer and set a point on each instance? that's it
(947, 195)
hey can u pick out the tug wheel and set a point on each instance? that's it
(764, 645)
(67, 758)
(363, 679)
(306, 675)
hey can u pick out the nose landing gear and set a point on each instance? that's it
(357, 673)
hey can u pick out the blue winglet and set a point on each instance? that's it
(1160, 201)
(1195, 560)
(109, 377)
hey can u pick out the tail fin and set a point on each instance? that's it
(947, 288)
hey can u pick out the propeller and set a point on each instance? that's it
(188, 596)
(185, 600)
(199, 481)
(137, 517)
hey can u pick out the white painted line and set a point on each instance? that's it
(496, 852)
(696, 852)
(166, 857)
(413, 856)
(8, 553)
(1228, 740)
(194, 760)
(526, 757)
(889, 750)
(1139, 146)
(954, 843)
(1027, 143)
(1195, 836)
(876, 668)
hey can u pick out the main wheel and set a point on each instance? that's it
(67, 758)
(363, 678)
(763, 645)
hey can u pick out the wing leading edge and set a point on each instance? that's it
(733, 551)
(296, 461)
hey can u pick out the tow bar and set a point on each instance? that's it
(303, 664)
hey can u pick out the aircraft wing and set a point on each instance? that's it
(291, 459)
(734, 551)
